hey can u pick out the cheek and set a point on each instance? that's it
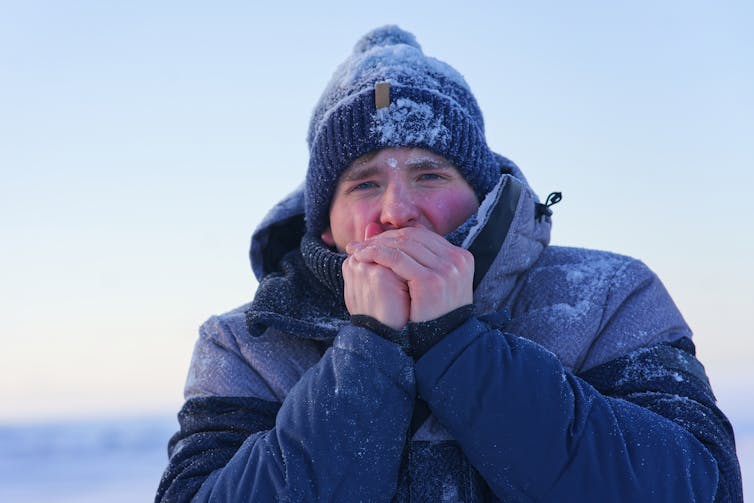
(451, 211)
(349, 221)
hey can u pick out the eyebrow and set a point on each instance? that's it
(359, 172)
(427, 163)
(367, 170)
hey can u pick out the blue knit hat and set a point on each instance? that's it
(389, 94)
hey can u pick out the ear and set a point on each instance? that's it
(327, 237)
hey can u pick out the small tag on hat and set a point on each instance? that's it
(381, 95)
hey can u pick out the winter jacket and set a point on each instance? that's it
(575, 380)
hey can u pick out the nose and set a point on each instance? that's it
(398, 208)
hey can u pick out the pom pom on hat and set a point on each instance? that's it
(429, 106)
(387, 35)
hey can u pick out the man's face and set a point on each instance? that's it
(395, 188)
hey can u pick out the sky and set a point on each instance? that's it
(141, 143)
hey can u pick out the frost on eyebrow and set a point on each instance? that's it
(429, 164)
(392, 162)
(427, 161)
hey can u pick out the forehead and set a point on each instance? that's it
(396, 158)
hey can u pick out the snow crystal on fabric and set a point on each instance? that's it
(407, 122)
(561, 315)
(644, 367)
(577, 305)
(584, 284)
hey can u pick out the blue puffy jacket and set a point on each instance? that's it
(575, 381)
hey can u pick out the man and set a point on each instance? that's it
(414, 337)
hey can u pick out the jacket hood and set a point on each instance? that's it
(527, 235)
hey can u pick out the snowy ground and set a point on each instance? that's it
(121, 461)
(83, 461)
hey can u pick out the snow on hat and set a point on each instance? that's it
(389, 94)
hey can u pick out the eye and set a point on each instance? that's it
(430, 177)
(363, 186)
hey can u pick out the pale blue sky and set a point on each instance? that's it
(141, 142)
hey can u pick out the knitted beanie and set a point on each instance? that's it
(389, 94)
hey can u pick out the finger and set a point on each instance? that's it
(376, 291)
(417, 251)
(395, 259)
(435, 243)
(397, 238)
(427, 248)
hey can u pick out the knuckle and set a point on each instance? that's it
(434, 282)
(464, 259)
(394, 254)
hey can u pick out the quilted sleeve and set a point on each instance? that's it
(537, 432)
(338, 434)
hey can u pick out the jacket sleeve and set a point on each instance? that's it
(338, 435)
(535, 431)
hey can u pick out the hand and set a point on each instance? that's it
(375, 290)
(438, 275)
